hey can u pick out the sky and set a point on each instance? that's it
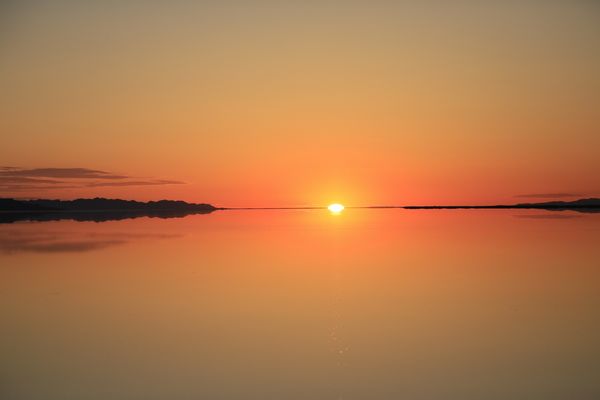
(295, 103)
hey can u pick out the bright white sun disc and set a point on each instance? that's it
(335, 208)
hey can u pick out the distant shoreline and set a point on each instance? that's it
(96, 209)
(101, 210)
(582, 205)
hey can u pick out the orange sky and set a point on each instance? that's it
(259, 103)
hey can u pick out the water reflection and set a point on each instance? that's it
(93, 216)
(29, 240)
(549, 216)
(296, 305)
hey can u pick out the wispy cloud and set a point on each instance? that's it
(548, 195)
(64, 173)
(137, 183)
(24, 179)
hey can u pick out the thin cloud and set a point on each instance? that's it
(136, 183)
(64, 173)
(24, 179)
(34, 187)
(11, 180)
(548, 195)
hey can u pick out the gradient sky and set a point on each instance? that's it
(260, 103)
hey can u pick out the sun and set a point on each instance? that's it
(335, 208)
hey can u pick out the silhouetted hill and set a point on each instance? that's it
(98, 209)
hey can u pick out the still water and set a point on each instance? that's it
(369, 304)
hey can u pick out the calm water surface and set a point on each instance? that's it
(370, 304)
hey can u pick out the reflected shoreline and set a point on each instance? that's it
(7, 217)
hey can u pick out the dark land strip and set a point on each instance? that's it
(100, 210)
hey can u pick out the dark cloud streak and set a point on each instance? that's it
(23, 179)
(26, 180)
(136, 183)
(548, 195)
(64, 173)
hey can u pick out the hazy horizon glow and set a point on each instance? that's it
(253, 103)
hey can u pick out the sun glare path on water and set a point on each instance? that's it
(335, 208)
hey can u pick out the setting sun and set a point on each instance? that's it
(335, 208)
